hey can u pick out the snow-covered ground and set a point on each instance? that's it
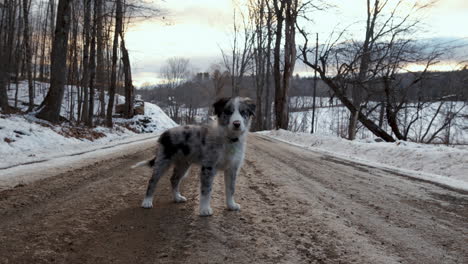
(26, 139)
(441, 164)
(331, 118)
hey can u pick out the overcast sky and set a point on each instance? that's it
(196, 29)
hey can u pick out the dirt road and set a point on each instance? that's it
(297, 207)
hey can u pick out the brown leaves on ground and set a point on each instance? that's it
(81, 133)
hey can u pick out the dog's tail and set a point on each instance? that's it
(149, 163)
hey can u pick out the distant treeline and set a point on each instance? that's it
(200, 91)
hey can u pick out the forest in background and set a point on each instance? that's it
(79, 43)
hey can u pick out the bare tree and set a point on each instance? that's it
(219, 79)
(100, 72)
(113, 82)
(53, 100)
(358, 65)
(28, 55)
(129, 89)
(238, 59)
(286, 12)
(262, 47)
(85, 63)
(175, 72)
(92, 71)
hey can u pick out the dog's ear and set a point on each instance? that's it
(219, 105)
(250, 106)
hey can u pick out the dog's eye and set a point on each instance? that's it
(227, 112)
(244, 113)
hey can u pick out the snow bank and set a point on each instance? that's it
(153, 120)
(23, 140)
(52, 166)
(441, 164)
(26, 139)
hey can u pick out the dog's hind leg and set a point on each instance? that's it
(206, 178)
(160, 167)
(180, 171)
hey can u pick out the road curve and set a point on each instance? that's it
(298, 206)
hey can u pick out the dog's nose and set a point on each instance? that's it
(236, 124)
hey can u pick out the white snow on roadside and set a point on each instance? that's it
(441, 164)
(26, 139)
(55, 165)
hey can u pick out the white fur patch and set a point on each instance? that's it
(147, 203)
(139, 164)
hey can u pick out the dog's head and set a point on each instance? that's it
(234, 114)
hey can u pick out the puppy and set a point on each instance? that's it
(219, 146)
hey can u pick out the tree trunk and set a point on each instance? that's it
(85, 79)
(267, 124)
(100, 74)
(3, 90)
(92, 74)
(129, 90)
(73, 73)
(369, 124)
(358, 89)
(282, 83)
(260, 67)
(27, 48)
(118, 29)
(53, 100)
(277, 63)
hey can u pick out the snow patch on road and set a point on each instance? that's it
(440, 164)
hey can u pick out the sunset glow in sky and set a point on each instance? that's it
(196, 29)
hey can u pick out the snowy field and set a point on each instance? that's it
(26, 139)
(331, 118)
(440, 164)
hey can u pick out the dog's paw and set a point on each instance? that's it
(179, 198)
(206, 211)
(233, 207)
(147, 203)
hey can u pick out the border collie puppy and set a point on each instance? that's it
(218, 146)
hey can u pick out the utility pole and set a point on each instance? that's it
(315, 85)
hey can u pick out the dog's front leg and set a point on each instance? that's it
(206, 178)
(230, 176)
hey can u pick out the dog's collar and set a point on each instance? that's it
(233, 140)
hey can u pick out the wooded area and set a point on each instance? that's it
(76, 43)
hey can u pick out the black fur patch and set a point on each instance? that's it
(248, 106)
(170, 148)
(207, 168)
(203, 135)
(152, 162)
(219, 105)
(185, 148)
(166, 142)
(187, 135)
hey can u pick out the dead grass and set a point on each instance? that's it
(80, 133)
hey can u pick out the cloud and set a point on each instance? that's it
(212, 13)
